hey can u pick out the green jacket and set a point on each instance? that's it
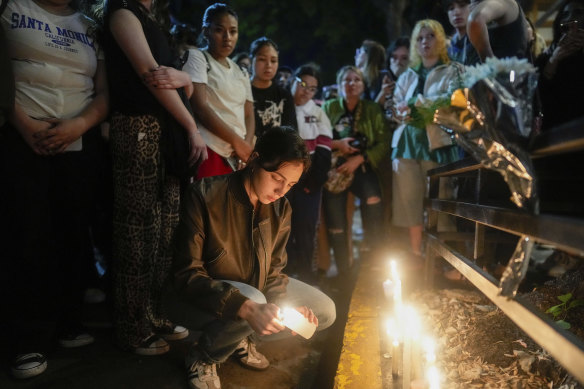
(372, 124)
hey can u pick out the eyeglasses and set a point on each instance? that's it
(304, 85)
(358, 51)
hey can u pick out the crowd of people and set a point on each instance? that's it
(98, 105)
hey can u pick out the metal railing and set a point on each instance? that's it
(566, 233)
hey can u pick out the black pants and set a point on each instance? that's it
(365, 185)
(44, 240)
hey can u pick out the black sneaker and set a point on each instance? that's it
(28, 365)
(172, 332)
(153, 345)
(76, 339)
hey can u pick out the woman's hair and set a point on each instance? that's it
(557, 28)
(446, 3)
(277, 146)
(239, 56)
(211, 13)
(259, 43)
(309, 69)
(375, 60)
(346, 69)
(438, 31)
(158, 12)
(402, 41)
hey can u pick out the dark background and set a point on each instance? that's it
(323, 31)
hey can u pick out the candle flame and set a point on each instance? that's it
(433, 377)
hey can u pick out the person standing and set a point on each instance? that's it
(273, 104)
(417, 150)
(305, 197)
(354, 117)
(460, 48)
(221, 99)
(497, 28)
(146, 198)
(60, 98)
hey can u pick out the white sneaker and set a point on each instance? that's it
(248, 356)
(203, 375)
(28, 365)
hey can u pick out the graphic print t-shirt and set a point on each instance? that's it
(273, 107)
(53, 58)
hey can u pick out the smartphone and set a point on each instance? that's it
(385, 72)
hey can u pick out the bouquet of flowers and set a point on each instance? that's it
(491, 118)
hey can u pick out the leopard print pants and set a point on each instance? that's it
(146, 204)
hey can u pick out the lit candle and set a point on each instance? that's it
(393, 333)
(395, 358)
(433, 377)
(388, 288)
(294, 320)
(397, 294)
(407, 362)
(429, 350)
(393, 269)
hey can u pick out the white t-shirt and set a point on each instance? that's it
(54, 61)
(227, 91)
(312, 122)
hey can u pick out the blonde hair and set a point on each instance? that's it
(436, 28)
(344, 70)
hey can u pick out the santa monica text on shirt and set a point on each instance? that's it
(23, 21)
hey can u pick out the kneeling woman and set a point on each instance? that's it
(231, 249)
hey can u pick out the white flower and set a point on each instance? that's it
(496, 67)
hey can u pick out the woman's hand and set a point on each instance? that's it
(352, 164)
(164, 77)
(29, 130)
(387, 87)
(403, 111)
(198, 148)
(262, 318)
(568, 45)
(60, 134)
(241, 148)
(343, 145)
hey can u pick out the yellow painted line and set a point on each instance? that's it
(359, 364)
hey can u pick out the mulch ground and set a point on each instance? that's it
(479, 347)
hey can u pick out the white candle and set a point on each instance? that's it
(429, 350)
(397, 294)
(393, 333)
(395, 358)
(433, 377)
(298, 323)
(407, 362)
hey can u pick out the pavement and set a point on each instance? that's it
(294, 362)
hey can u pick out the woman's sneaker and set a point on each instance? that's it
(248, 356)
(28, 365)
(153, 345)
(203, 375)
(172, 332)
(76, 339)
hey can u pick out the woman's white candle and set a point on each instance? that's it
(294, 320)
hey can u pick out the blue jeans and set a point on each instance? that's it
(220, 337)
